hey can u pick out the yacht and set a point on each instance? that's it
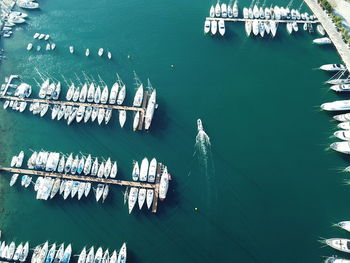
(343, 135)
(245, 13)
(83, 93)
(248, 27)
(333, 67)
(88, 164)
(94, 114)
(51, 254)
(222, 27)
(338, 81)
(87, 52)
(250, 13)
(341, 88)
(36, 35)
(132, 198)
(256, 12)
(217, 9)
(150, 108)
(113, 258)
(235, 9)
(97, 96)
(149, 199)
(13, 179)
(164, 184)
(109, 55)
(24, 254)
(100, 52)
(141, 197)
(212, 11)
(81, 189)
(255, 27)
(121, 94)
(88, 113)
(91, 93)
(87, 189)
(144, 170)
(335, 259)
(70, 92)
(339, 105)
(99, 191)
(342, 117)
(340, 244)
(80, 113)
(67, 254)
(59, 254)
(152, 171)
(101, 115)
(344, 125)
(27, 4)
(344, 225)
(71, 49)
(55, 188)
(206, 26)
(114, 93)
(94, 168)
(20, 159)
(223, 10)
(322, 41)
(343, 147)
(107, 168)
(26, 180)
(101, 170)
(90, 256)
(105, 193)
(98, 255)
(289, 26)
(122, 254)
(53, 46)
(114, 170)
(139, 94)
(82, 256)
(122, 117)
(136, 120)
(135, 172)
(320, 30)
(214, 27)
(48, 47)
(75, 188)
(229, 11)
(47, 36)
(104, 96)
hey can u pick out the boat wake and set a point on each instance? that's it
(202, 148)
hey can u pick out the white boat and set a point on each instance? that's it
(88, 113)
(71, 49)
(138, 96)
(81, 165)
(66, 113)
(217, 9)
(90, 256)
(6, 104)
(343, 147)
(72, 116)
(224, 10)
(67, 189)
(67, 254)
(100, 52)
(55, 188)
(11, 251)
(141, 197)
(81, 190)
(340, 244)
(320, 30)
(36, 254)
(91, 93)
(94, 114)
(61, 164)
(122, 254)
(335, 259)
(70, 92)
(20, 159)
(136, 120)
(121, 94)
(343, 135)
(248, 27)
(144, 170)
(55, 110)
(341, 88)
(69, 163)
(122, 117)
(75, 164)
(62, 187)
(245, 13)
(339, 105)
(99, 191)
(295, 26)
(27, 4)
(338, 81)
(105, 193)
(107, 168)
(305, 26)
(59, 254)
(80, 113)
(53, 46)
(75, 188)
(97, 96)
(229, 11)
(267, 27)
(261, 13)
(342, 117)
(132, 198)
(43, 252)
(212, 11)
(135, 172)
(206, 26)
(344, 225)
(114, 93)
(101, 170)
(48, 47)
(344, 125)
(101, 115)
(255, 27)
(29, 46)
(18, 252)
(13, 179)
(214, 27)
(152, 171)
(82, 256)
(261, 28)
(51, 254)
(150, 108)
(256, 12)
(43, 88)
(322, 41)
(333, 67)
(104, 96)
(87, 165)
(26, 180)
(14, 161)
(24, 254)
(83, 93)
(149, 199)
(114, 257)
(87, 52)
(87, 188)
(289, 26)
(114, 170)
(47, 36)
(36, 35)
(76, 94)
(273, 28)
(235, 9)
(109, 55)
(222, 27)
(94, 168)
(164, 184)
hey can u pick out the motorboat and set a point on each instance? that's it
(94, 168)
(340, 244)
(107, 168)
(105, 193)
(164, 184)
(97, 96)
(152, 171)
(51, 254)
(248, 27)
(81, 190)
(53, 46)
(109, 55)
(104, 96)
(339, 105)
(344, 225)
(27, 4)
(82, 256)
(255, 27)
(87, 52)
(47, 36)
(322, 41)
(342, 117)
(13, 161)
(101, 170)
(48, 47)
(114, 93)
(217, 10)
(341, 87)
(343, 135)
(212, 11)
(6, 104)
(94, 114)
(29, 46)
(149, 198)
(222, 27)
(320, 30)
(214, 27)
(343, 147)
(26, 180)
(135, 172)
(71, 49)
(101, 115)
(338, 81)
(122, 117)
(83, 93)
(80, 113)
(75, 188)
(206, 26)
(108, 115)
(99, 191)
(132, 198)
(13, 179)
(122, 254)
(76, 94)
(88, 113)
(141, 197)
(224, 10)
(100, 52)
(333, 67)
(150, 108)
(114, 170)
(70, 92)
(344, 125)
(37, 183)
(36, 35)
(229, 11)
(136, 120)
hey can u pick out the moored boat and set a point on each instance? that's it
(150, 195)
(164, 184)
(340, 244)
(132, 198)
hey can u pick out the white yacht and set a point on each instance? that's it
(70, 92)
(339, 105)
(144, 170)
(212, 11)
(248, 27)
(333, 67)
(322, 41)
(206, 26)
(255, 27)
(152, 171)
(341, 87)
(340, 244)
(261, 28)
(122, 117)
(149, 198)
(150, 107)
(222, 27)
(229, 11)
(80, 113)
(107, 168)
(27, 4)
(214, 27)
(132, 198)
(29, 46)
(122, 254)
(338, 81)
(223, 10)
(101, 115)
(245, 13)
(289, 26)
(136, 121)
(91, 93)
(114, 93)
(343, 135)
(94, 114)
(104, 95)
(164, 184)
(97, 96)
(141, 197)
(122, 93)
(342, 117)
(94, 168)
(88, 113)
(343, 147)
(295, 26)
(235, 9)
(135, 172)
(114, 170)
(109, 55)
(76, 94)
(256, 12)
(87, 52)
(101, 170)
(99, 191)
(273, 28)
(344, 125)
(108, 115)
(217, 9)
(344, 225)
(83, 93)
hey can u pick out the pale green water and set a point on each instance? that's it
(270, 190)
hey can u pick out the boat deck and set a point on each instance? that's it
(260, 19)
(335, 36)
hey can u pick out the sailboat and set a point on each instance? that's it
(97, 96)
(88, 113)
(114, 93)
(222, 27)
(136, 120)
(71, 49)
(164, 184)
(76, 94)
(101, 115)
(235, 9)
(94, 168)
(94, 114)
(91, 93)
(132, 198)
(141, 197)
(214, 27)
(122, 254)
(152, 171)
(149, 199)
(83, 93)
(82, 256)
(135, 172)
(107, 168)
(248, 27)
(87, 52)
(122, 117)
(144, 170)
(90, 256)
(217, 10)
(104, 96)
(212, 11)
(139, 92)
(114, 170)
(70, 92)
(122, 92)
(150, 107)
(99, 191)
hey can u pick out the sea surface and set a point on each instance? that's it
(264, 188)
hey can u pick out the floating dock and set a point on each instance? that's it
(226, 19)
(334, 35)
(95, 180)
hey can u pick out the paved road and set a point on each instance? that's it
(332, 32)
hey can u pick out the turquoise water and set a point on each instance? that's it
(271, 187)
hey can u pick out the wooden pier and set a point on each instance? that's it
(335, 36)
(226, 19)
(156, 189)
(9, 81)
(144, 103)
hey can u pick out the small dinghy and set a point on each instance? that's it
(100, 52)
(109, 55)
(71, 49)
(29, 46)
(122, 117)
(87, 52)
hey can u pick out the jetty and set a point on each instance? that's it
(334, 35)
(227, 19)
(8, 83)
